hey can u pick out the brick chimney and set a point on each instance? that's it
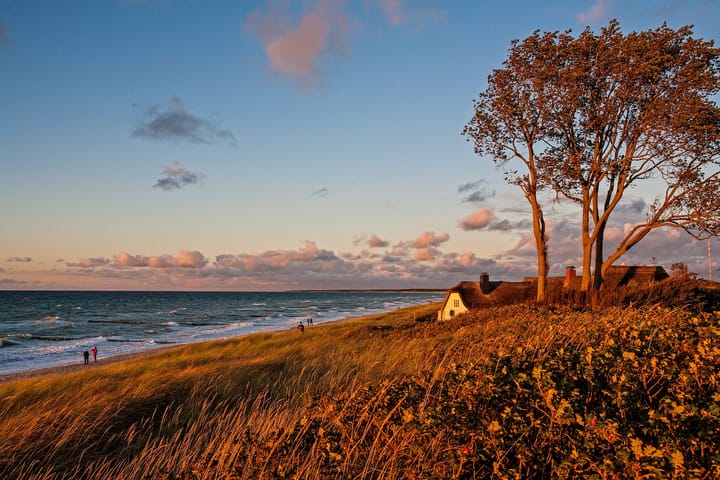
(569, 276)
(485, 282)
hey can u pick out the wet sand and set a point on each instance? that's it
(80, 366)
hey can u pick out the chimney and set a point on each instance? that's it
(569, 276)
(485, 282)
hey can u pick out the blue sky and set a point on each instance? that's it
(238, 145)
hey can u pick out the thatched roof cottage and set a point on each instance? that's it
(466, 296)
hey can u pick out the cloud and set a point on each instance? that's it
(177, 177)
(4, 39)
(595, 12)
(307, 258)
(376, 242)
(11, 281)
(393, 10)
(427, 253)
(397, 12)
(186, 259)
(474, 191)
(20, 259)
(477, 220)
(296, 51)
(170, 121)
(507, 225)
(89, 263)
(320, 193)
(429, 239)
(633, 207)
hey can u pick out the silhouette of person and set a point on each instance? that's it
(86, 356)
(301, 327)
(94, 351)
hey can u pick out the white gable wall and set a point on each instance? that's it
(453, 306)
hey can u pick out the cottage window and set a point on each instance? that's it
(457, 303)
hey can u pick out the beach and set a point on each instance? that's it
(49, 330)
(80, 366)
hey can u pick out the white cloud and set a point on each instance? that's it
(429, 239)
(376, 242)
(596, 12)
(477, 220)
(186, 259)
(296, 51)
(89, 263)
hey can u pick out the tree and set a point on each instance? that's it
(681, 270)
(509, 125)
(626, 110)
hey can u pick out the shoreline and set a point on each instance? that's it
(79, 366)
(121, 357)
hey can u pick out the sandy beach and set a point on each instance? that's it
(80, 366)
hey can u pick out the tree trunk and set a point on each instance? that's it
(586, 244)
(541, 246)
(586, 264)
(598, 275)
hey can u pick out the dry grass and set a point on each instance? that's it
(502, 393)
(124, 417)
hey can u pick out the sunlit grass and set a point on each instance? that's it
(509, 392)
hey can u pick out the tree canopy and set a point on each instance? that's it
(591, 116)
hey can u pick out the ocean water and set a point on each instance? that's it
(48, 328)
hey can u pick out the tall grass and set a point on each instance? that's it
(519, 391)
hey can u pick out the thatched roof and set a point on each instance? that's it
(619, 275)
(503, 293)
(500, 293)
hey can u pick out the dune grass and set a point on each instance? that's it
(519, 391)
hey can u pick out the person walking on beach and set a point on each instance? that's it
(86, 356)
(94, 350)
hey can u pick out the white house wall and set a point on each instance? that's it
(453, 306)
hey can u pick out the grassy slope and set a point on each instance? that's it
(512, 391)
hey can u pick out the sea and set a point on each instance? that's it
(40, 329)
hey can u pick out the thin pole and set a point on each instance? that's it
(709, 262)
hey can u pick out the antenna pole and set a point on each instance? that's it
(709, 262)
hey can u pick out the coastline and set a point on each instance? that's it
(80, 366)
(136, 324)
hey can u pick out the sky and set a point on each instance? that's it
(279, 145)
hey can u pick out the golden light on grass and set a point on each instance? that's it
(517, 390)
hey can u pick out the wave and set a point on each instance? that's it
(48, 319)
(54, 322)
(122, 322)
(53, 338)
(169, 324)
(125, 340)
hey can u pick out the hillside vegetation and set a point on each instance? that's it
(520, 391)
